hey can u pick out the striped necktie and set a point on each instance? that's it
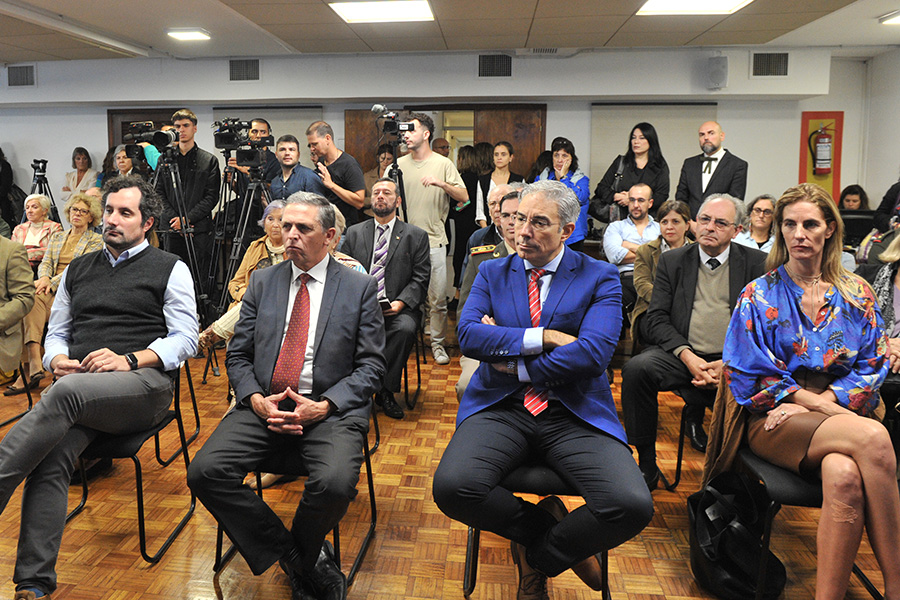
(378, 262)
(535, 401)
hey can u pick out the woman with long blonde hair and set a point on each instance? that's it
(805, 354)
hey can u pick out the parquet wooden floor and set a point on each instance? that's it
(417, 552)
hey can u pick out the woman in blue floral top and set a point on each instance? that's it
(805, 354)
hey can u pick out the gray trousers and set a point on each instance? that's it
(44, 446)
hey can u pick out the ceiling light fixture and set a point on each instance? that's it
(190, 34)
(890, 18)
(692, 7)
(386, 11)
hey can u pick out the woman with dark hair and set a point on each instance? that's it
(759, 224)
(83, 177)
(674, 225)
(854, 197)
(500, 174)
(565, 170)
(804, 356)
(642, 163)
(484, 157)
(108, 168)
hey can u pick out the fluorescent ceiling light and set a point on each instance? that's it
(692, 7)
(387, 11)
(890, 18)
(192, 34)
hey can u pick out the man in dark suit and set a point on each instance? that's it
(306, 357)
(397, 255)
(694, 293)
(715, 171)
(544, 323)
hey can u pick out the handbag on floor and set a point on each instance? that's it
(726, 525)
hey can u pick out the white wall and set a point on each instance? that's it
(761, 118)
(883, 133)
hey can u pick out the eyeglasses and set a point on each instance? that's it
(537, 223)
(719, 224)
(79, 211)
(762, 212)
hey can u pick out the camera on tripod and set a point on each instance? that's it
(40, 167)
(392, 124)
(233, 135)
(142, 131)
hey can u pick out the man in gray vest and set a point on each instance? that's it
(123, 321)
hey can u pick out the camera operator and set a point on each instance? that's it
(200, 188)
(340, 172)
(259, 128)
(293, 177)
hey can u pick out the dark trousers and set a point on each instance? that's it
(400, 334)
(331, 452)
(43, 447)
(629, 294)
(490, 444)
(643, 377)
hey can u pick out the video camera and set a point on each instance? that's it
(142, 131)
(40, 167)
(391, 123)
(233, 135)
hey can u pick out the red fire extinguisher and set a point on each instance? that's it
(821, 150)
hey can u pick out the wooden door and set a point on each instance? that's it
(361, 137)
(520, 125)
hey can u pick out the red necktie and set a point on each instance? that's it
(293, 351)
(535, 401)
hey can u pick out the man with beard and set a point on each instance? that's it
(715, 171)
(294, 177)
(397, 255)
(123, 321)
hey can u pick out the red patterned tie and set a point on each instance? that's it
(293, 350)
(535, 401)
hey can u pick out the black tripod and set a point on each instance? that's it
(233, 221)
(39, 185)
(396, 174)
(167, 168)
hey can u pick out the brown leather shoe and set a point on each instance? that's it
(589, 570)
(532, 583)
(24, 595)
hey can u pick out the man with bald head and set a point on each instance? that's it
(441, 146)
(714, 171)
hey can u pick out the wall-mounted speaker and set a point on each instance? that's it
(717, 72)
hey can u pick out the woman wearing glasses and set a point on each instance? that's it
(83, 212)
(758, 229)
(804, 355)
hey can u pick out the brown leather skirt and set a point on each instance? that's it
(787, 444)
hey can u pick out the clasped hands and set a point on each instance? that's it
(305, 412)
(99, 361)
(705, 374)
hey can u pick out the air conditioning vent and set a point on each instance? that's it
(770, 64)
(21, 76)
(494, 65)
(244, 69)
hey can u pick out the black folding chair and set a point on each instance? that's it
(527, 479)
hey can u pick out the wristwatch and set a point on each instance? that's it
(132, 360)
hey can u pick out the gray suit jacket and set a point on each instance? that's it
(408, 268)
(348, 363)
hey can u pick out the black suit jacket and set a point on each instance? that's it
(408, 268)
(348, 360)
(200, 190)
(668, 319)
(730, 177)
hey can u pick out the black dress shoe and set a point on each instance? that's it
(291, 565)
(651, 476)
(695, 433)
(389, 405)
(326, 581)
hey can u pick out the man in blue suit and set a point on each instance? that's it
(544, 323)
